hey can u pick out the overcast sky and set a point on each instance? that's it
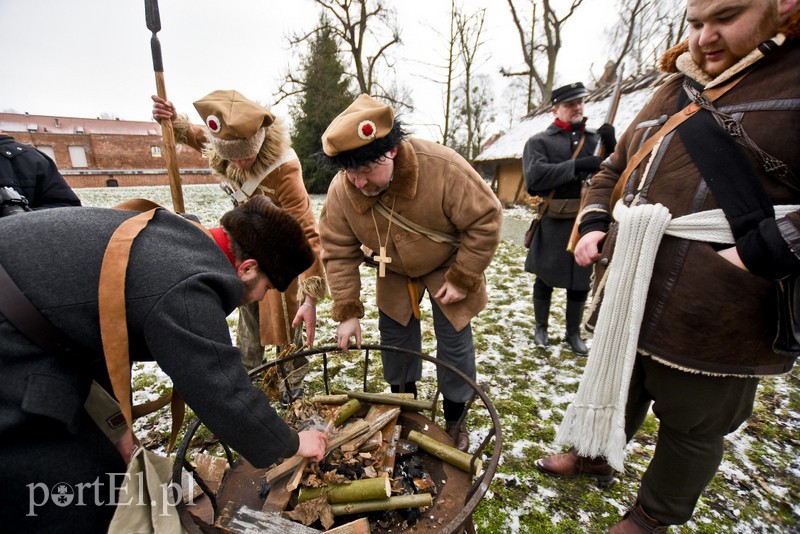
(84, 58)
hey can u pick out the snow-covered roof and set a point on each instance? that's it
(635, 93)
(13, 122)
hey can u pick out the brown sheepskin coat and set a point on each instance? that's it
(284, 186)
(435, 188)
(703, 314)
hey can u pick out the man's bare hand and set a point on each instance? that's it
(163, 109)
(732, 255)
(587, 251)
(312, 444)
(347, 329)
(307, 314)
(449, 294)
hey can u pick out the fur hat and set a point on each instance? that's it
(364, 121)
(235, 124)
(272, 237)
(565, 93)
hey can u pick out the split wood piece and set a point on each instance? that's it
(351, 431)
(392, 503)
(346, 411)
(211, 469)
(330, 399)
(294, 482)
(390, 456)
(446, 453)
(366, 489)
(378, 417)
(374, 442)
(277, 499)
(239, 519)
(394, 400)
(359, 526)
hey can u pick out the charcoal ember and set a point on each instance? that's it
(263, 488)
(353, 472)
(405, 448)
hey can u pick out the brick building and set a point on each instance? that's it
(105, 152)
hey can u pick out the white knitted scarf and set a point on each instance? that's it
(594, 422)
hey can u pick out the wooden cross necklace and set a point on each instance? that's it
(382, 258)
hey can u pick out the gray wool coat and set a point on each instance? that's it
(180, 288)
(547, 164)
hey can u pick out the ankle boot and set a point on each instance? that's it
(574, 317)
(541, 311)
(570, 465)
(459, 434)
(636, 521)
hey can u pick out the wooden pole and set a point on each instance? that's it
(394, 400)
(392, 503)
(446, 453)
(167, 132)
(366, 489)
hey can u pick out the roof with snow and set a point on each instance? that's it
(635, 93)
(15, 122)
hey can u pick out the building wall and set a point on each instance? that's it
(117, 159)
(508, 179)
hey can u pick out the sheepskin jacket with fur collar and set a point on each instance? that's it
(435, 188)
(704, 314)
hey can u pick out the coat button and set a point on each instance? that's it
(629, 198)
(8, 153)
(603, 262)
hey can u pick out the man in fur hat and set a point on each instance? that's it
(180, 287)
(435, 226)
(706, 223)
(249, 151)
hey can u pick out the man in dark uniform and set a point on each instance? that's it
(550, 170)
(179, 289)
(30, 180)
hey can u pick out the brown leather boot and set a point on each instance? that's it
(459, 435)
(570, 465)
(636, 521)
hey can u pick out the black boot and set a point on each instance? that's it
(541, 310)
(574, 318)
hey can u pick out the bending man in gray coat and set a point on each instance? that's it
(179, 289)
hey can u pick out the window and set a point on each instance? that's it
(47, 150)
(78, 156)
(155, 151)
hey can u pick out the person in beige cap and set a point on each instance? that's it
(248, 150)
(435, 225)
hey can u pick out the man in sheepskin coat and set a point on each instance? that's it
(434, 224)
(249, 152)
(687, 261)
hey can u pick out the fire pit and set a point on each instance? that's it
(456, 494)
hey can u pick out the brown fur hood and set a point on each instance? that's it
(276, 143)
(677, 58)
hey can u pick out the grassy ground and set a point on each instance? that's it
(757, 488)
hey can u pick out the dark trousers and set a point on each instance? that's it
(695, 412)
(452, 346)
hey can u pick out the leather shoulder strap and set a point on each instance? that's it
(673, 122)
(111, 304)
(26, 318)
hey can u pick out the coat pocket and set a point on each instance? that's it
(420, 255)
(53, 397)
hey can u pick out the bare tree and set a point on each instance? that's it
(539, 53)
(469, 29)
(644, 31)
(368, 29)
